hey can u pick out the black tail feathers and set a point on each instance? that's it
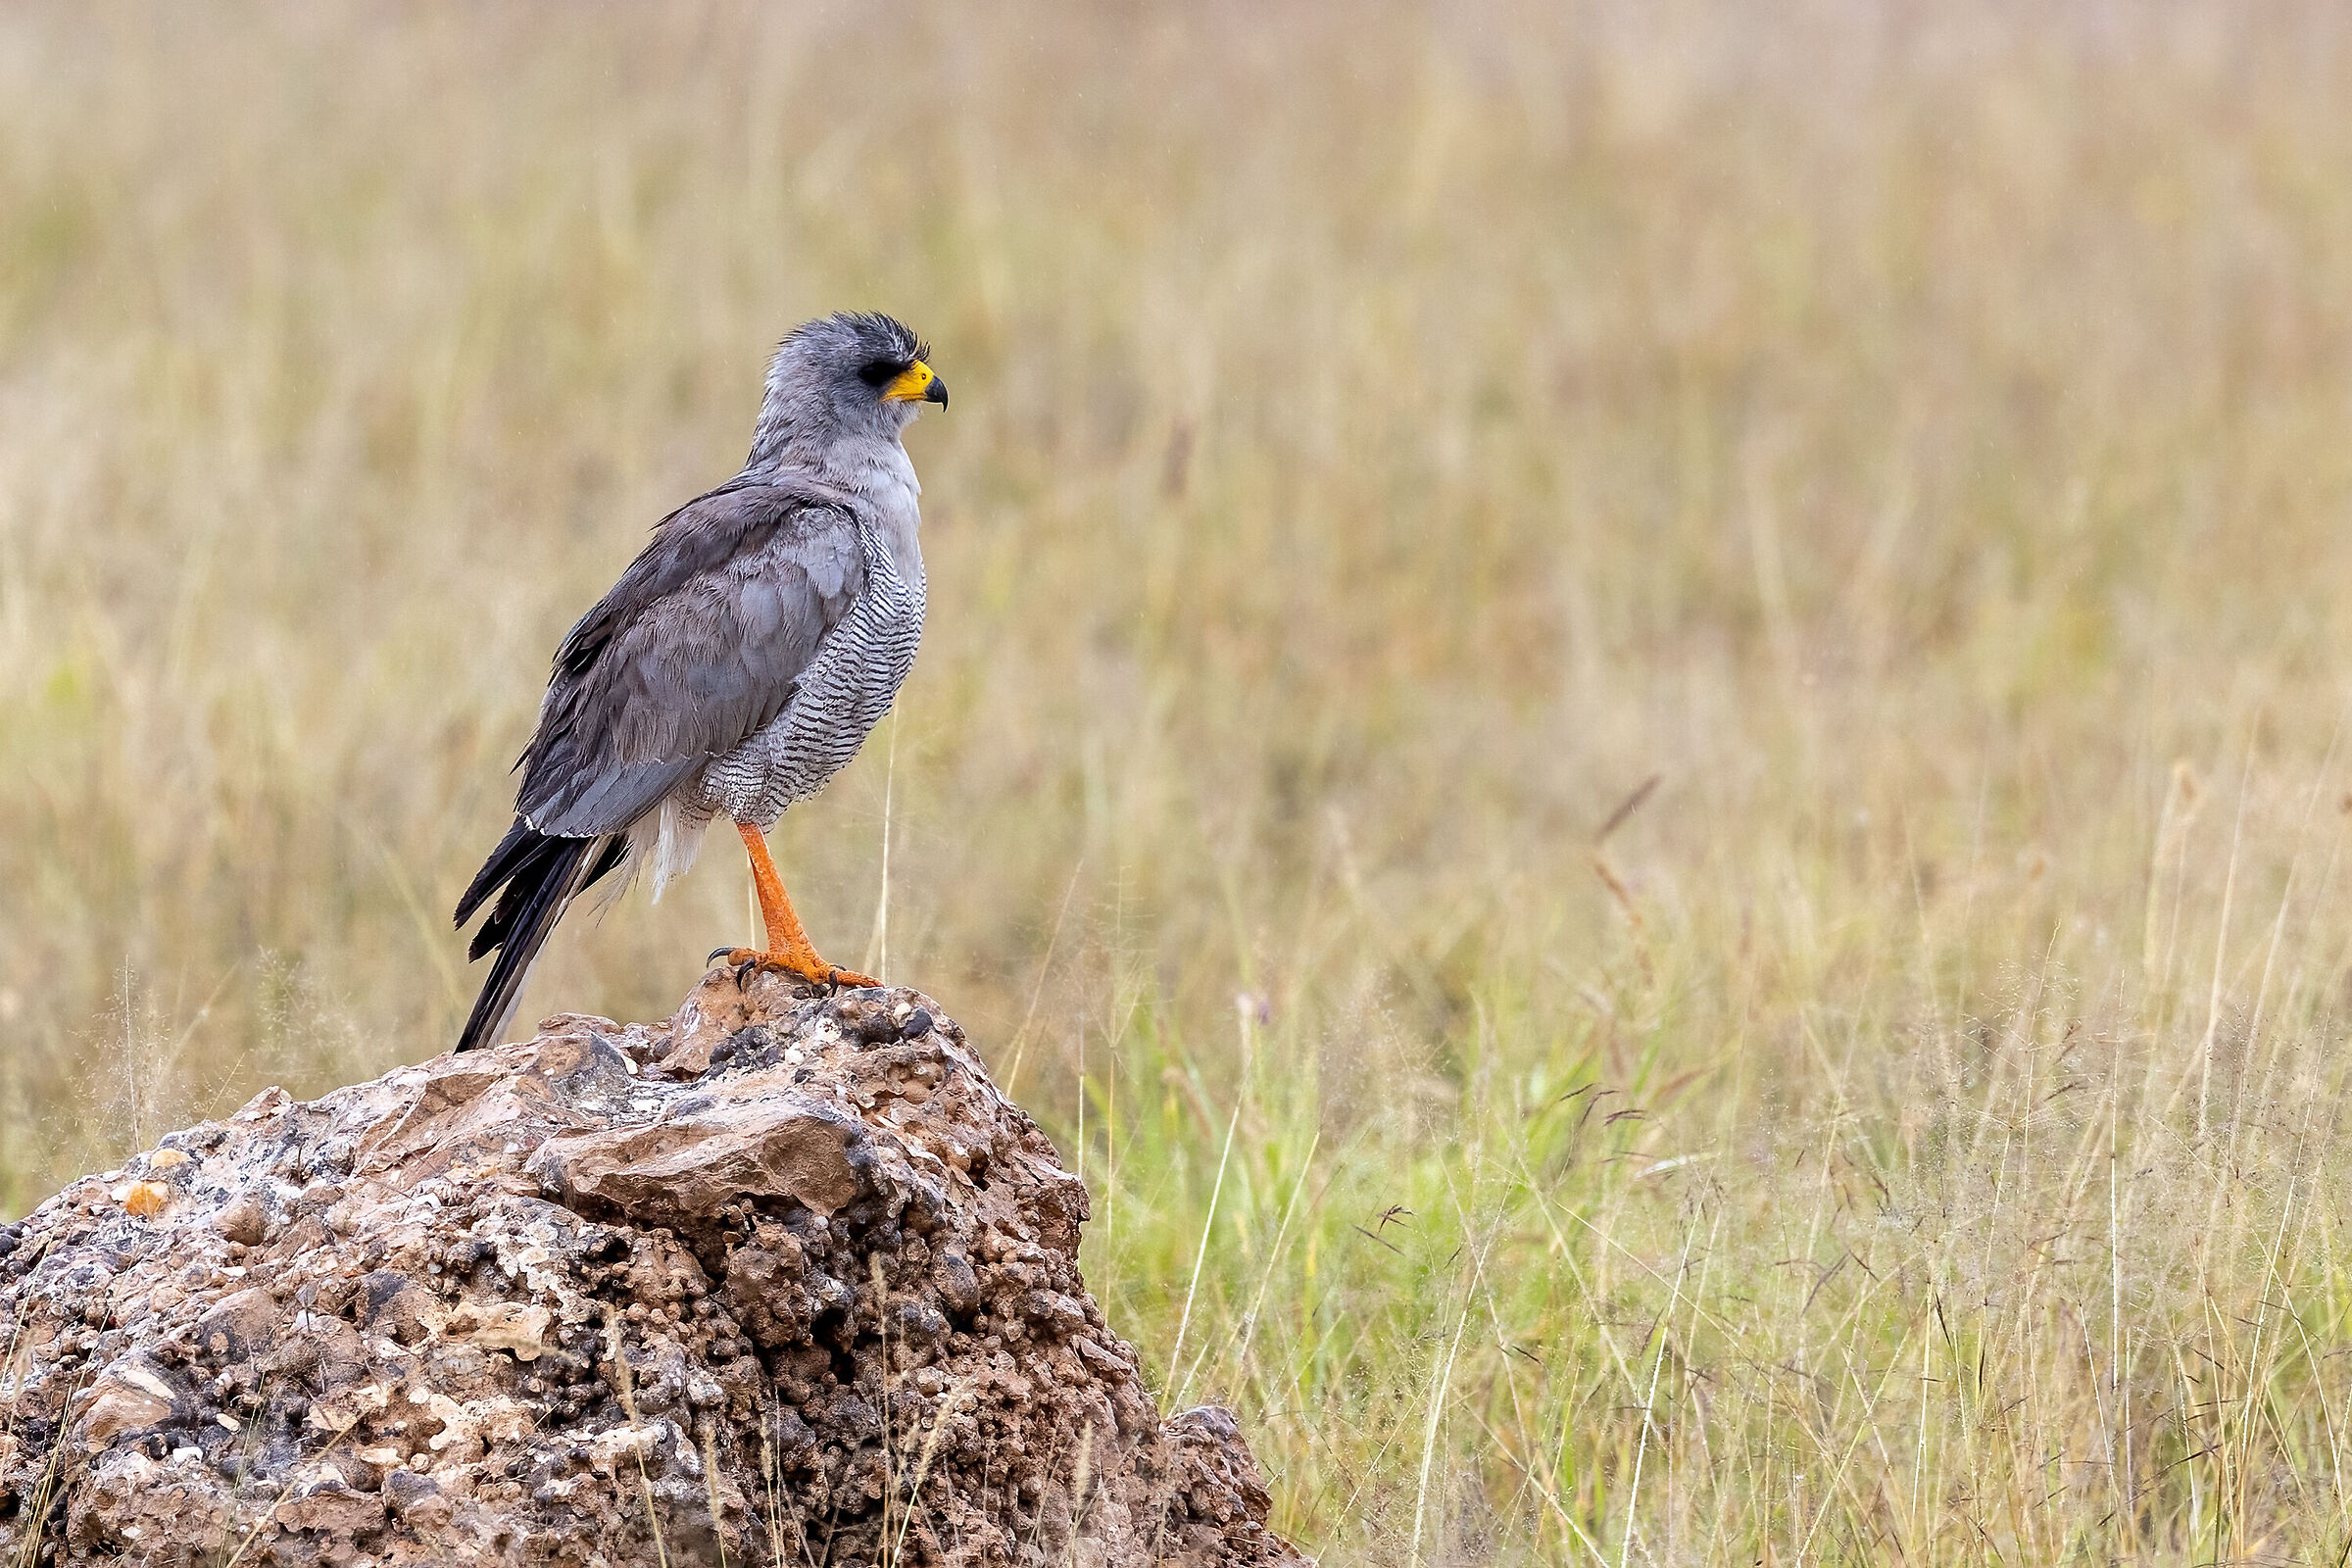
(539, 875)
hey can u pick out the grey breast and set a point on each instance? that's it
(839, 699)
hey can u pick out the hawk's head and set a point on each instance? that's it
(857, 373)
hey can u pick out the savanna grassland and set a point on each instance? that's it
(1634, 716)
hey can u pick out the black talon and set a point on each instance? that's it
(711, 957)
(743, 972)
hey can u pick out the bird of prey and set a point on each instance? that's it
(737, 665)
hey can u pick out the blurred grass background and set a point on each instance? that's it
(1919, 437)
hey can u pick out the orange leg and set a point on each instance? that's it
(789, 948)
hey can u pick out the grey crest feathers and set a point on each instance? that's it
(821, 386)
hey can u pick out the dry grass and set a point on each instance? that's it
(1918, 436)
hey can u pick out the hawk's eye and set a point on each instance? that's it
(881, 373)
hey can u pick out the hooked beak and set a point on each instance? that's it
(916, 384)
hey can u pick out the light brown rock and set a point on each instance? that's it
(127, 1396)
(691, 1166)
(708, 1281)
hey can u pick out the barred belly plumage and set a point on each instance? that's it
(842, 696)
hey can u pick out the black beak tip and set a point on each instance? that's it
(936, 392)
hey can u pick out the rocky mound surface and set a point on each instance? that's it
(785, 1279)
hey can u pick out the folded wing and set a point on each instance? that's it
(699, 645)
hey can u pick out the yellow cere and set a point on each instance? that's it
(909, 385)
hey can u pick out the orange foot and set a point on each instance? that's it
(802, 965)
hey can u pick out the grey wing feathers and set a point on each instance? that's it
(693, 651)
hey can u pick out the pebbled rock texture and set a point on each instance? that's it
(785, 1278)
